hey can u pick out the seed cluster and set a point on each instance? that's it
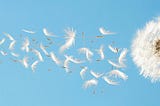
(157, 47)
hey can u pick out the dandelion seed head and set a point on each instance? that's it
(146, 50)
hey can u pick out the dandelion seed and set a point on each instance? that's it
(89, 83)
(28, 31)
(70, 39)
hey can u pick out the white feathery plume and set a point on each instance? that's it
(2, 41)
(12, 44)
(43, 49)
(47, 33)
(117, 73)
(101, 52)
(89, 83)
(34, 64)
(105, 32)
(25, 45)
(114, 50)
(115, 64)
(24, 61)
(28, 31)
(73, 60)
(70, 39)
(122, 56)
(95, 74)
(109, 81)
(3, 53)
(54, 58)
(83, 72)
(70, 59)
(38, 54)
(14, 54)
(9, 36)
(145, 50)
(87, 52)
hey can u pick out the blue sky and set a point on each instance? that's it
(21, 87)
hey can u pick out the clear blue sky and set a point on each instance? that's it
(21, 87)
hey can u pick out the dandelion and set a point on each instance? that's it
(146, 50)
